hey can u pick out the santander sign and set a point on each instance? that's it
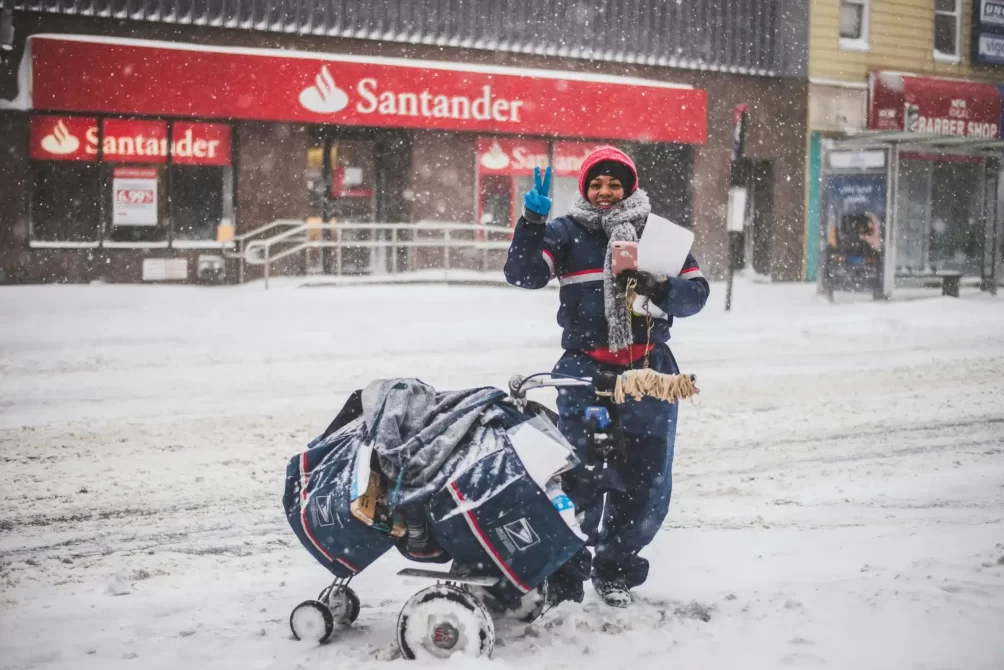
(514, 157)
(519, 157)
(172, 80)
(324, 97)
(129, 141)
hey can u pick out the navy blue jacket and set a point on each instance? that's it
(564, 249)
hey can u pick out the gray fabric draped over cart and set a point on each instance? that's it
(416, 432)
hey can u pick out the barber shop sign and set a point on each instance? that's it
(934, 106)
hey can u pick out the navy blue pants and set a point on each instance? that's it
(631, 518)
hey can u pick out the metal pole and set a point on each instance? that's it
(822, 240)
(446, 251)
(987, 263)
(393, 250)
(738, 192)
(266, 266)
(888, 283)
(728, 279)
(338, 250)
(996, 242)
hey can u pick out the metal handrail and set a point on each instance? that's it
(260, 251)
(268, 226)
(239, 240)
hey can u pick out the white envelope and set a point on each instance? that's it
(662, 250)
(663, 247)
(542, 456)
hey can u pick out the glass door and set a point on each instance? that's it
(341, 182)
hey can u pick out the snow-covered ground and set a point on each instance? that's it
(838, 502)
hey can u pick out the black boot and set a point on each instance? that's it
(613, 580)
(614, 592)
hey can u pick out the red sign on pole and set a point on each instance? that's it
(133, 77)
(931, 105)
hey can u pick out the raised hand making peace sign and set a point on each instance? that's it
(536, 199)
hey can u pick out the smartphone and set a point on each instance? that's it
(625, 256)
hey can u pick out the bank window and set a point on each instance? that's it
(64, 204)
(200, 199)
(855, 16)
(947, 28)
(200, 183)
(118, 182)
(133, 165)
(65, 181)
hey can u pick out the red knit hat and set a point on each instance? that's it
(603, 154)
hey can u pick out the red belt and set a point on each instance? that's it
(621, 356)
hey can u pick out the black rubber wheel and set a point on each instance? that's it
(443, 621)
(311, 620)
(343, 603)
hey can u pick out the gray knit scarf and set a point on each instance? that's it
(621, 223)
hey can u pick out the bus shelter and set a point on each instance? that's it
(910, 209)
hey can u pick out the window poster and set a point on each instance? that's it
(134, 196)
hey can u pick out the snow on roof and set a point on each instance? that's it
(536, 73)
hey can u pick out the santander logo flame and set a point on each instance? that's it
(60, 141)
(495, 158)
(324, 97)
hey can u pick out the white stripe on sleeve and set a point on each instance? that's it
(549, 260)
(692, 273)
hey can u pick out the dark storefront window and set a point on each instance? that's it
(198, 196)
(65, 208)
(129, 182)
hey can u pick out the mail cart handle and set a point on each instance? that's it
(636, 384)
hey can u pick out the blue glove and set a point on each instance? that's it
(536, 200)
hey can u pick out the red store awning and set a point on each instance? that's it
(933, 105)
(69, 73)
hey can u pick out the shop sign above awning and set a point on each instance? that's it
(95, 75)
(932, 105)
